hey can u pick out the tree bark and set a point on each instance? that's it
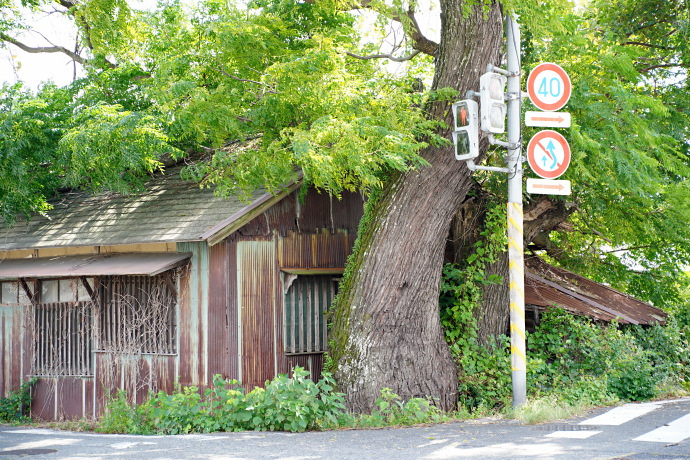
(387, 330)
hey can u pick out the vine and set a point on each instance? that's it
(461, 286)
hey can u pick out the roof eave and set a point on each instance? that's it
(227, 227)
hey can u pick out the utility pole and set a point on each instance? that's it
(515, 217)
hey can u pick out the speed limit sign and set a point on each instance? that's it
(548, 86)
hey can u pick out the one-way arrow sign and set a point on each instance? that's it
(548, 187)
(548, 119)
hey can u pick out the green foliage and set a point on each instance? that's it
(461, 292)
(60, 137)
(293, 404)
(580, 360)
(287, 403)
(628, 64)
(15, 406)
(119, 416)
(484, 376)
(391, 410)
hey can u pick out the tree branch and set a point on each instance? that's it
(659, 66)
(648, 45)
(632, 248)
(43, 49)
(384, 56)
(419, 41)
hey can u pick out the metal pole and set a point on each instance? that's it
(515, 249)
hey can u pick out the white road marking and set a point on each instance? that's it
(510, 449)
(676, 431)
(622, 414)
(573, 434)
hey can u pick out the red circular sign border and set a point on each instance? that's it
(532, 161)
(567, 86)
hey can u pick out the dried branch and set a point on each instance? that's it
(229, 75)
(631, 248)
(384, 56)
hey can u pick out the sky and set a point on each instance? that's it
(33, 69)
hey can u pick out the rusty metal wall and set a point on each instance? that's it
(312, 235)
(217, 310)
(193, 318)
(256, 309)
(229, 313)
(11, 350)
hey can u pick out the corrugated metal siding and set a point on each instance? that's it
(70, 397)
(320, 250)
(233, 363)
(546, 286)
(256, 284)
(194, 317)
(11, 353)
(217, 311)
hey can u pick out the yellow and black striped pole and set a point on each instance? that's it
(517, 302)
(515, 249)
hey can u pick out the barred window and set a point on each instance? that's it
(63, 339)
(307, 298)
(137, 314)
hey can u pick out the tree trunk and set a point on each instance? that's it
(387, 330)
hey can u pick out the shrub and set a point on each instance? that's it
(287, 403)
(14, 407)
(119, 416)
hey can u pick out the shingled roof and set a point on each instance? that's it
(171, 210)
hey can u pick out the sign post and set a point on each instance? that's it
(516, 255)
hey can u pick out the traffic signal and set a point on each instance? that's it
(466, 132)
(493, 111)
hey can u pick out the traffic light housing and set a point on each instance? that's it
(466, 129)
(493, 107)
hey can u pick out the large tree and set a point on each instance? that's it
(296, 78)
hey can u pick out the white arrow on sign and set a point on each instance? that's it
(548, 187)
(548, 119)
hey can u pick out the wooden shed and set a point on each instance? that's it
(112, 292)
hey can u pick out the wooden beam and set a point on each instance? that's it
(168, 281)
(29, 294)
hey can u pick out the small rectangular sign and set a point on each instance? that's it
(548, 187)
(547, 119)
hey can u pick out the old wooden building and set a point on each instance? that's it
(139, 292)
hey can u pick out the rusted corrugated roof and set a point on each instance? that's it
(92, 265)
(548, 286)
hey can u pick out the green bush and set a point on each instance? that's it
(287, 403)
(14, 407)
(119, 417)
(633, 379)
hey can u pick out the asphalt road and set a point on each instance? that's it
(657, 431)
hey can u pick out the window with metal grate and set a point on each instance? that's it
(307, 298)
